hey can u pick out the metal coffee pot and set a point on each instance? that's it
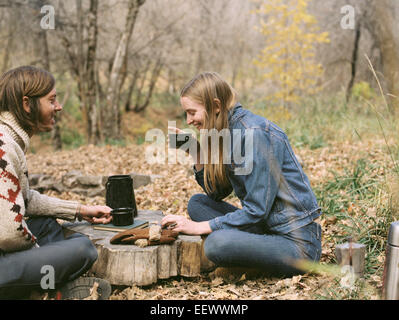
(120, 193)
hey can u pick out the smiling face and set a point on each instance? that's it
(49, 106)
(195, 112)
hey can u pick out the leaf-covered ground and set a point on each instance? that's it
(170, 193)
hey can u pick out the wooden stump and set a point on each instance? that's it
(131, 265)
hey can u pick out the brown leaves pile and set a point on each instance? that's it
(171, 192)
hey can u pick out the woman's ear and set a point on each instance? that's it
(218, 106)
(25, 104)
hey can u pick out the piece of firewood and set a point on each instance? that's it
(189, 256)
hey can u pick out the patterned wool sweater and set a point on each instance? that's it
(17, 201)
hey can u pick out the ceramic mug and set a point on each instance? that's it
(122, 217)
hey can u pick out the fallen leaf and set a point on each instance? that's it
(217, 281)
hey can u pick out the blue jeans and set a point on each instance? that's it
(21, 272)
(254, 247)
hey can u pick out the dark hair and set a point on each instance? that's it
(204, 89)
(25, 81)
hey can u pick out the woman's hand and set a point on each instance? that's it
(197, 155)
(96, 214)
(186, 226)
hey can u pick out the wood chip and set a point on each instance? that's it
(93, 292)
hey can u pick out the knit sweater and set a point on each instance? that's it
(17, 201)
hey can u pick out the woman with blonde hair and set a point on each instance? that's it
(34, 254)
(275, 228)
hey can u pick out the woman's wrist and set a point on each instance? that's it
(204, 228)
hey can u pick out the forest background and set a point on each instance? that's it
(327, 72)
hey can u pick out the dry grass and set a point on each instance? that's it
(171, 193)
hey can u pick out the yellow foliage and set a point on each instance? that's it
(288, 58)
(141, 129)
(276, 114)
(362, 90)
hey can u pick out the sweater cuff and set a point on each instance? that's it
(68, 210)
(43, 205)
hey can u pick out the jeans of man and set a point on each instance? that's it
(69, 258)
(275, 254)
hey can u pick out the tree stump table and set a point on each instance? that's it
(131, 265)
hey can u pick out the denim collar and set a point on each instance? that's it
(236, 112)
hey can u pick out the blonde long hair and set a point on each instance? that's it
(207, 89)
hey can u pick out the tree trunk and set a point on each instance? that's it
(92, 116)
(139, 92)
(10, 3)
(42, 58)
(132, 86)
(154, 77)
(10, 39)
(6, 58)
(171, 88)
(42, 53)
(354, 61)
(83, 66)
(382, 28)
(56, 133)
(111, 126)
(40, 43)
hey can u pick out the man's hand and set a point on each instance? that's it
(96, 214)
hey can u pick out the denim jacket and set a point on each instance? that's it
(270, 183)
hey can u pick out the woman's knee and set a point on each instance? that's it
(216, 246)
(194, 206)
